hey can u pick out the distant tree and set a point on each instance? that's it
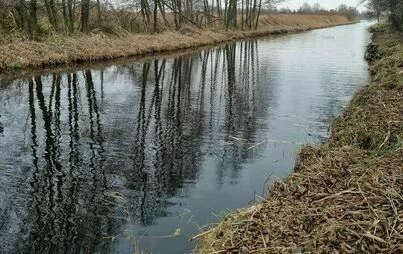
(316, 7)
(285, 10)
(342, 8)
(377, 7)
(349, 12)
(272, 3)
(305, 8)
(393, 7)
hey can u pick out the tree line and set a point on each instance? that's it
(67, 17)
(34, 17)
(306, 8)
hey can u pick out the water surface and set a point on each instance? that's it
(100, 159)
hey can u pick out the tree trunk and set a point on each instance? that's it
(162, 11)
(258, 14)
(49, 12)
(155, 16)
(22, 13)
(65, 16)
(33, 22)
(99, 14)
(70, 16)
(53, 14)
(85, 13)
(395, 14)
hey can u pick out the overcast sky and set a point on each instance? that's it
(327, 4)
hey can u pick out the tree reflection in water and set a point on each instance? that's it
(101, 158)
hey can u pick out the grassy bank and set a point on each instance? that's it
(57, 50)
(345, 196)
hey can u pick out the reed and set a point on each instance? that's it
(59, 50)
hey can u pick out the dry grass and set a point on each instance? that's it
(345, 196)
(59, 51)
(56, 50)
(340, 200)
(374, 119)
(302, 20)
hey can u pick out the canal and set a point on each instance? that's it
(145, 154)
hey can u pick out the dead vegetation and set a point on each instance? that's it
(374, 119)
(339, 200)
(345, 196)
(59, 50)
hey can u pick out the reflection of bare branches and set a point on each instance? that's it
(54, 220)
(145, 148)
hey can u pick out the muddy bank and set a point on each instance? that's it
(57, 51)
(345, 196)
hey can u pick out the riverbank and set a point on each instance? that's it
(345, 196)
(57, 50)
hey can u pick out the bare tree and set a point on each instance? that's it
(392, 7)
(114, 16)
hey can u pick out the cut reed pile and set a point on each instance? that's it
(345, 196)
(57, 50)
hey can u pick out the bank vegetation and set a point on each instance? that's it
(60, 50)
(38, 33)
(345, 196)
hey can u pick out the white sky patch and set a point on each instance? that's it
(327, 4)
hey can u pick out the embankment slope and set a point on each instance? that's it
(56, 51)
(345, 196)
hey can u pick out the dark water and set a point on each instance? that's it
(101, 159)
